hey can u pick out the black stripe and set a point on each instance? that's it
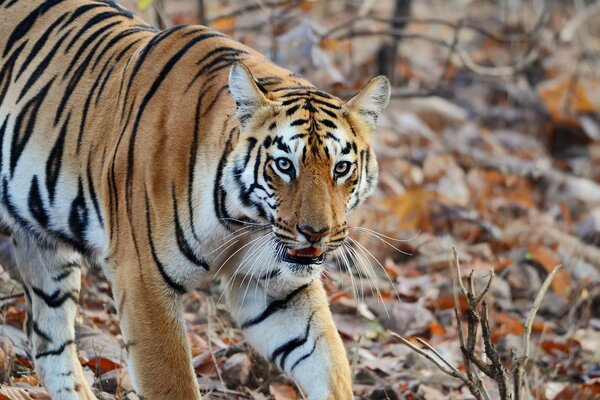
(78, 216)
(216, 97)
(55, 352)
(25, 25)
(75, 78)
(92, 191)
(112, 42)
(54, 161)
(62, 276)
(95, 20)
(88, 42)
(219, 194)
(231, 55)
(110, 71)
(330, 113)
(287, 348)
(177, 287)
(292, 110)
(35, 203)
(326, 104)
(40, 333)
(275, 306)
(37, 47)
(79, 12)
(146, 51)
(192, 164)
(329, 123)
(24, 129)
(7, 70)
(304, 357)
(299, 122)
(2, 132)
(41, 68)
(182, 243)
(55, 299)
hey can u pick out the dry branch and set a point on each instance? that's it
(249, 8)
(474, 361)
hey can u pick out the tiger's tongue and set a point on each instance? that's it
(307, 252)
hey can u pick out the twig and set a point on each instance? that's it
(567, 34)
(12, 296)
(520, 368)
(434, 351)
(355, 356)
(457, 268)
(248, 8)
(452, 372)
(210, 349)
(543, 18)
(464, 56)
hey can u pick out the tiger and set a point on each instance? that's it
(170, 158)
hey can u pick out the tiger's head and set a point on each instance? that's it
(303, 161)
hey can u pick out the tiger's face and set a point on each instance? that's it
(302, 162)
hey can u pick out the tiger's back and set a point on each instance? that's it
(68, 73)
(168, 158)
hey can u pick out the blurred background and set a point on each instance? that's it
(491, 144)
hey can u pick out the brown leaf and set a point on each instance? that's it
(552, 347)
(100, 365)
(564, 97)
(282, 391)
(589, 391)
(446, 302)
(506, 325)
(413, 208)
(14, 393)
(548, 259)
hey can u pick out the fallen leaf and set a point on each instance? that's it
(590, 391)
(413, 208)
(552, 347)
(282, 391)
(14, 393)
(447, 302)
(548, 259)
(506, 325)
(565, 96)
(100, 365)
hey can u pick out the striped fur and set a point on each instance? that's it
(160, 157)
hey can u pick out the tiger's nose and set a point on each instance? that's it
(311, 234)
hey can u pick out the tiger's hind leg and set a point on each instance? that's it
(51, 278)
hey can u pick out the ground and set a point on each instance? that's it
(491, 144)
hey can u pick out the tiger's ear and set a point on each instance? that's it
(370, 101)
(248, 97)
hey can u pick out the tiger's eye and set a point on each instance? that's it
(342, 168)
(284, 165)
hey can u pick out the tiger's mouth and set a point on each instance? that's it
(305, 256)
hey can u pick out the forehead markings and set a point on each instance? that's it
(314, 137)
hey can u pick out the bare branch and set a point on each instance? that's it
(452, 371)
(458, 275)
(520, 367)
(250, 7)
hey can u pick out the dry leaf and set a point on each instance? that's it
(282, 391)
(100, 365)
(548, 259)
(413, 208)
(15, 393)
(564, 97)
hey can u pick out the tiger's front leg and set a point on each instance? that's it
(293, 328)
(51, 278)
(151, 319)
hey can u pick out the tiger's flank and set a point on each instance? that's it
(168, 158)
